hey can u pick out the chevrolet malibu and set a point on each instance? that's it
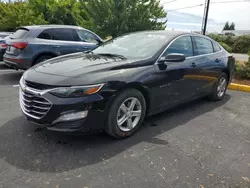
(113, 87)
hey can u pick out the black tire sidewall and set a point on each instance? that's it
(42, 58)
(214, 95)
(111, 124)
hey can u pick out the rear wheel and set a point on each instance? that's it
(220, 88)
(126, 114)
(42, 58)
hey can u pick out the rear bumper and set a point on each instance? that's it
(17, 62)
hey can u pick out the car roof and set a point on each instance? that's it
(31, 27)
(171, 34)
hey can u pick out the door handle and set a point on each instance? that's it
(217, 60)
(193, 64)
(56, 46)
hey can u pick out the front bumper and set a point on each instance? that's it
(60, 106)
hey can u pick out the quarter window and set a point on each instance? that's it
(181, 45)
(216, 47)
(203, 46)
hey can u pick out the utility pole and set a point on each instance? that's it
(205, 17)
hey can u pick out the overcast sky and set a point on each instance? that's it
(219, 13)
(238, 12)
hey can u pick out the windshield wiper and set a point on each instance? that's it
(89, 52)
(112, 55)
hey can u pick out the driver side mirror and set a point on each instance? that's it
(173, 57)
(99, 41)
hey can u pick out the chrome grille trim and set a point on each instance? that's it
(32, 104)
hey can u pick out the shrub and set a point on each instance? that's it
(227, 48)
(242, 70)
(241, 44)
(249, 56)
(236, 44)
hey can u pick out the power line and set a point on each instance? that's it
(215, 2)
(243, 1)
(168, 2)
(186, 7)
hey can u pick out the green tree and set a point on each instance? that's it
(13, 15)
(66, 12)
(229, 26)
(116, 17)
(226, 27)
(232, 26)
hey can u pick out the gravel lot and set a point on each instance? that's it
(200, 144)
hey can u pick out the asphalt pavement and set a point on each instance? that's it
(200, 144)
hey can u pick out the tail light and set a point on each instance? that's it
(3, 46)
(19, 45)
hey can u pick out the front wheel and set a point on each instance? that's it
(219, 89)
(126, 114)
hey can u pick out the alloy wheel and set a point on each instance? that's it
(222, 85)
(129, 114)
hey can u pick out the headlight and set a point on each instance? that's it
(76, 91)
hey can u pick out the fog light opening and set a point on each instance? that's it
(72, 116)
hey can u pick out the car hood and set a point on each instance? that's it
(82, 69)
(80, 64)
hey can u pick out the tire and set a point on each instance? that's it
(42, 58)
(218, 94)
(115, 112)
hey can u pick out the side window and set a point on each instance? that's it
(216, 47)
(181, 45)
(203, 46)
(86, 36)
(63, 34)
(46, 34)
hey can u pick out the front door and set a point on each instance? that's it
(86, 40)
(175, 79)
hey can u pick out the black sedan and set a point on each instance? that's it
(115, 86)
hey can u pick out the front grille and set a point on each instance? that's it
(33, 105)
(38, 86)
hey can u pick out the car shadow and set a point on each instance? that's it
(35, 149)
(10, 78)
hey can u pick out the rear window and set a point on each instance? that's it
(20, 33)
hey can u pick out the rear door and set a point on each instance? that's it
(63, 41)
(208, 64)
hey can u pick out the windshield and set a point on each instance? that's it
(137, 45)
